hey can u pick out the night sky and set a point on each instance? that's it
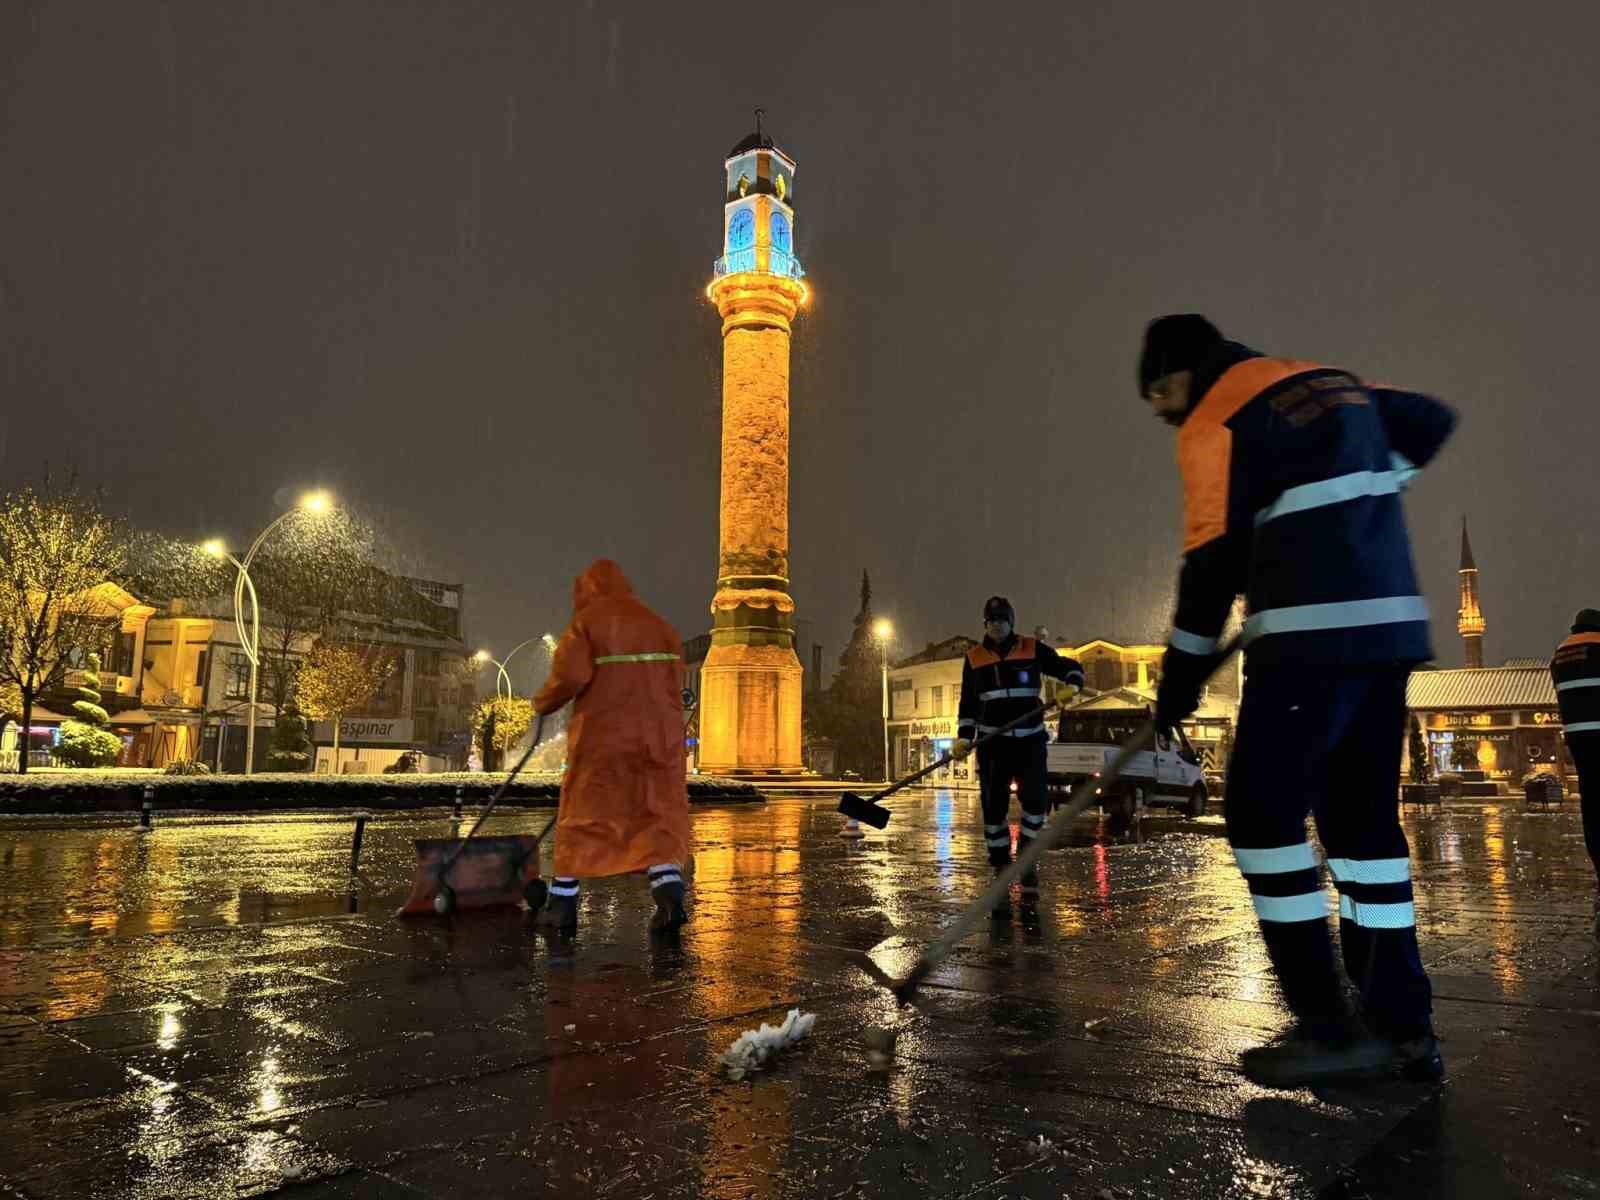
(448, 260)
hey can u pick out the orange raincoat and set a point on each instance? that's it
(624, 800)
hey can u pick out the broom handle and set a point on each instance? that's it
(1031, 714)
(1077, 800)
(538, 732)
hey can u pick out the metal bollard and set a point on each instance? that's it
(355, 846)
(458, 799)
(146, 807)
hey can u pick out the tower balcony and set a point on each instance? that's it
(765, 259)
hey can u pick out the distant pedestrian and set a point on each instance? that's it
(1292, 475)
(1576, 671)
(624, 798)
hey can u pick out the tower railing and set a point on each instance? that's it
(778, 262)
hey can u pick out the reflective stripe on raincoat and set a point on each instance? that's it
(624, 800)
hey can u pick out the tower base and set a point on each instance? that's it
(750, 710)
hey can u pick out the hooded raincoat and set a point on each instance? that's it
(624, 800)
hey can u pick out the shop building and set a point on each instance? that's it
(1502, 720)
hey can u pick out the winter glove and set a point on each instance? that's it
(1183, 677)
(1065, 692)
(960, 749)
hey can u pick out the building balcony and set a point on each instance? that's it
(765, 259)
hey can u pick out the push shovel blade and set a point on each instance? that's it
(857, 808)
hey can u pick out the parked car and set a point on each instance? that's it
(1169, 774)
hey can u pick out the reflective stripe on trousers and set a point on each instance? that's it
(1284, 884)
(1375, 893)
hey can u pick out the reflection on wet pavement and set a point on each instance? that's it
(218, 1008)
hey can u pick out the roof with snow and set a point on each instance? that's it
(952, 647)
(1484, 687)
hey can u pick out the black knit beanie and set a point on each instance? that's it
(1179, 342)
(1587, 621)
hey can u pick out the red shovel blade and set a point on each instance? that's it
(489, 872)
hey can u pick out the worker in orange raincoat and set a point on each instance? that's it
(624, 800)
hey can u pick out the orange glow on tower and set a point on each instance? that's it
(1469, 616)
(751, 680)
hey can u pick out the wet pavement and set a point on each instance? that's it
(215, 1009)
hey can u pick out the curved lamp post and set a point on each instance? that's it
(501, 675)
(314, 503)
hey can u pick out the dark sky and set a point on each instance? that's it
(448, 259)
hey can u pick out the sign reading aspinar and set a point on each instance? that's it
(383, 731)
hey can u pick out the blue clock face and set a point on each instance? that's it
(742, 230)
(780, 233)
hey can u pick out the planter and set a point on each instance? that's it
(1421, 793)
(89, 792)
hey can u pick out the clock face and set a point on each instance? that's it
(741, 230)
(780, 233)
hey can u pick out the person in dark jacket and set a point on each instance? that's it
(1292, 474)
(1000, 681)
(1575, 668)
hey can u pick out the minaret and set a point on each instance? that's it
(1469, 617)
(751, 679)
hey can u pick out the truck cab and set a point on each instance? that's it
(1086, 740)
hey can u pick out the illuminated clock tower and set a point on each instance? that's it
(751, 680)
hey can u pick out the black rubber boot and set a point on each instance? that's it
(1334, 1050)
(1030, 882)
(1419, 1060)
(559, 913)
(1002, 906)
(670, 913)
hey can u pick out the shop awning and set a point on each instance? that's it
(1480, 688)
(134, 716)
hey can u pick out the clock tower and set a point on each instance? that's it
(751, 680)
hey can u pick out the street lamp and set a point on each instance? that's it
(314, 503)
(882, 631)
(501, 675)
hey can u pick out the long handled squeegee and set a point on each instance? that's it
(1077, 800)
(867, 808)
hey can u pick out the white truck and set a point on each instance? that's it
(1087, 740)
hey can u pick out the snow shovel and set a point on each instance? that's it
(1078, 799)
(480, 872)
(860, 808)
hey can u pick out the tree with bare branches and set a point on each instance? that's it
(57, 547)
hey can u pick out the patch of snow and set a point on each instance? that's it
(754, 1048)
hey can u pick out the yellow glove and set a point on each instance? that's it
(961, 749)
(1065, 692)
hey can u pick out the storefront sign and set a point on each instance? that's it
(1545, 717)
(381, 731)
(934, 727)
(1473, 720)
